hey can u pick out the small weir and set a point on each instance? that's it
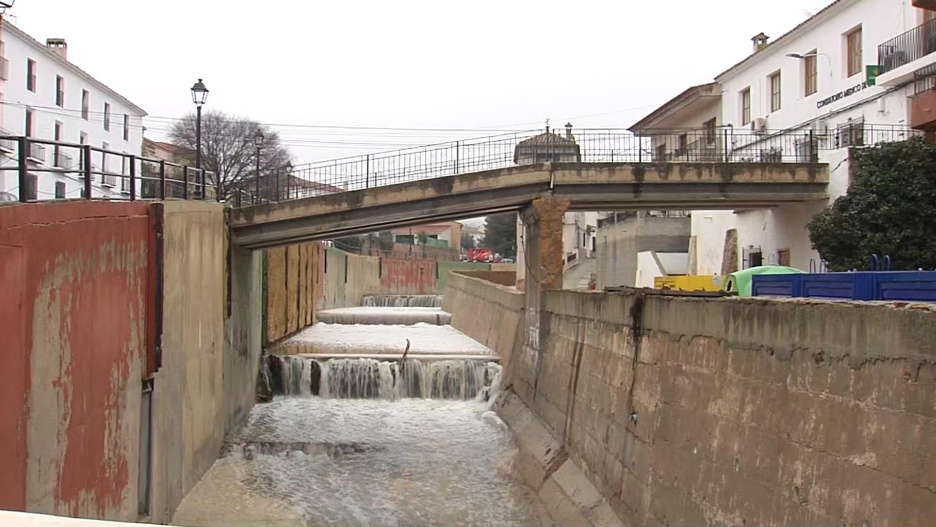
(356, 378)
(402, 301)
(386, 422)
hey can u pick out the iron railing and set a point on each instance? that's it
(93, 173)
(908, 47)
(709, 145)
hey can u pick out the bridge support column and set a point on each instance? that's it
(542, 267)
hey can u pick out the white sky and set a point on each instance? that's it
(505, 64)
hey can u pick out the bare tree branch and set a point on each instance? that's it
(228, 148)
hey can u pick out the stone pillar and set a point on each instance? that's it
(543, 265)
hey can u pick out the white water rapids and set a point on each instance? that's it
(353, 442)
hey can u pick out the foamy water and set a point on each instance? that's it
(313, 461)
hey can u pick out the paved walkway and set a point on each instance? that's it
(577, 278)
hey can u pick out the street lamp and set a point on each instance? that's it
(199, 96)
(258, 142)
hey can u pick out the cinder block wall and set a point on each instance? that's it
(742, 411)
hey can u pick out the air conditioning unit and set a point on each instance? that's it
(759, 125)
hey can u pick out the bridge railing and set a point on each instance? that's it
(34, 169)
(706, 145)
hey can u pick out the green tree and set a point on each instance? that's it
(500, 234)
(889, 210)
(467, 242)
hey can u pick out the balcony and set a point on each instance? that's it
(901, 56)
(37, 153)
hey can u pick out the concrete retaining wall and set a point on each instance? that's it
(690, 411)
(487, 312)
(188, 398)
(292, 288)
(73, 303)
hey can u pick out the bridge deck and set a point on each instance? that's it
(587, 186)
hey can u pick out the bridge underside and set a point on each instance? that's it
(611, 186)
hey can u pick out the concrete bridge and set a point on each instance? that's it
(582, 186)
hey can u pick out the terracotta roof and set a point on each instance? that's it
(7, 26)
(799, 28)
(548, 139)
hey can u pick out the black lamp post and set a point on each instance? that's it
(199, 97)
(258, 142)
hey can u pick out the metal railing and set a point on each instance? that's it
(709, 145)
(95, 173)
(908, 47)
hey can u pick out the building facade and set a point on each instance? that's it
(46, 97)
(844, 78)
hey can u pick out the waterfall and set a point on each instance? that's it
(295, 375)
(402, 301)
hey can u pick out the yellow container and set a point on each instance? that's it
(689, 283)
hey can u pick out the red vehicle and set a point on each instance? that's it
(481, 254)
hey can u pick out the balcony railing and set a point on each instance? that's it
(908, 47)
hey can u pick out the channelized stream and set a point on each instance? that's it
(355, 441)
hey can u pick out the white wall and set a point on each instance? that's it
(647, 270)
(16, 98)
(785, 227)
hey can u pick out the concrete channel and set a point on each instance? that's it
(356, 435)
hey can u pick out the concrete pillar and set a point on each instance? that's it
(543, 263)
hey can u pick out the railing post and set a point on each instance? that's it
(204, 185)
(86, 154)
(133, 192)
(218, 187)
(23, 145)
(457, 152)
(639, 147)
(725, 143)
(185, 179)
(367, 173)
(277, 196)
(162, 180)
(812, 148)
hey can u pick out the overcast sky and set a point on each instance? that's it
(504, 64)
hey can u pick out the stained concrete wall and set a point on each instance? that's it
(188, 400)
(712, 412)
(643, 410)
(243, 334)
(73, 295)
(292, 288)
(487, 312)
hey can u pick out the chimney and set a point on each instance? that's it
(760, 42)
(59, 46)
(568, 128)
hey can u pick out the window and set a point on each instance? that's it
(85, 104)
(746, 107)
(661, 153)
(682, 144)
(708, 130)
(59, 91)
(59, 190)
(776, 96)
(107, 117)
(31, 75)
(29, 122)
(56, 152)
(124, 170)
(854, 52)
(811, 73)
(105, 179)
(126, 128)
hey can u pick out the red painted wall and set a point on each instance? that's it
(73, 291)
(407, 276)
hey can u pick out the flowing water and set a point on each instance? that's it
(352, 441)
(402, 301)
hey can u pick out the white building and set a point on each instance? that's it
(48, 98)
(813, 82)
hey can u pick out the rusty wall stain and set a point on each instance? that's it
(83, 325)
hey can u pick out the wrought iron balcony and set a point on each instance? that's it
(908, 47)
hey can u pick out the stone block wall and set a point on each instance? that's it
(687, 411)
